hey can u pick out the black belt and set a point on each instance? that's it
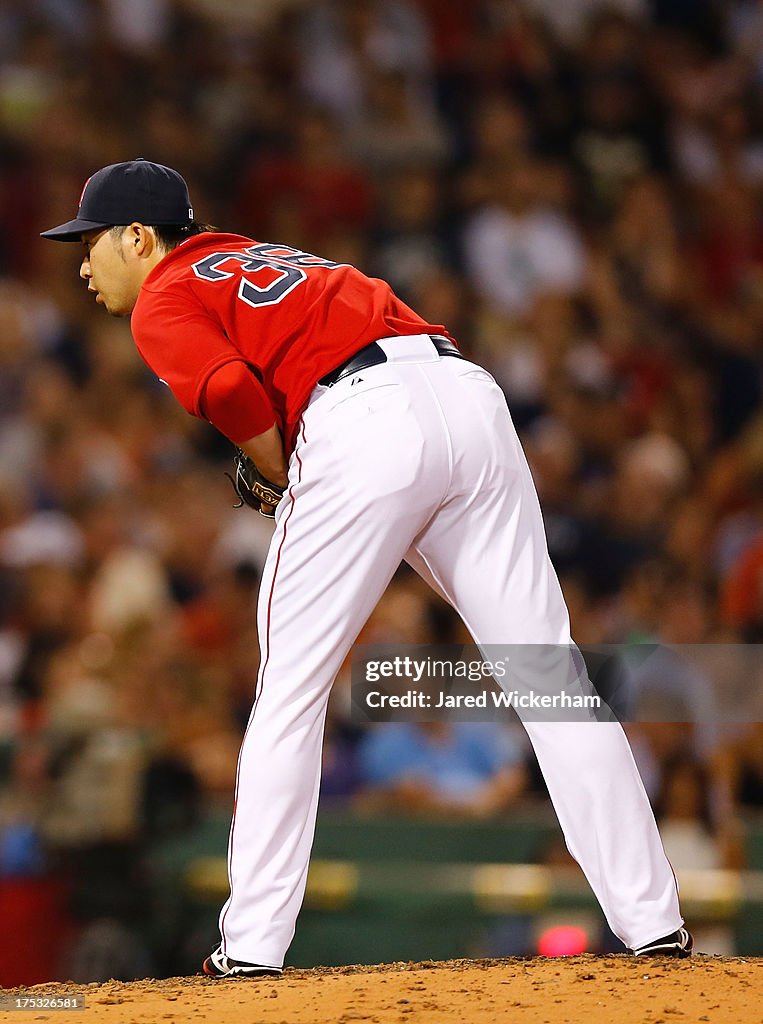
(374, 354)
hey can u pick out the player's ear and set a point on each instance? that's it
(140, 239)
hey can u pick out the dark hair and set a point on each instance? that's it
(169, 236)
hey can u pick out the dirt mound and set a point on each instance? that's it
(530, 991)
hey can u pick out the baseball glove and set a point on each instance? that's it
(254, 489)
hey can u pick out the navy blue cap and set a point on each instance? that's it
(137, 190)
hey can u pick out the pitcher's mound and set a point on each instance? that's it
(588, 989)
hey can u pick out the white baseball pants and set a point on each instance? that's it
(415, 459)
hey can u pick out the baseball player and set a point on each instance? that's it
(368, 436)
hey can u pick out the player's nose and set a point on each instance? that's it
(84, 270)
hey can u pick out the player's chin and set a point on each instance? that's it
(112, 308)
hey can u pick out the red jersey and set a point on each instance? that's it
(291, 317)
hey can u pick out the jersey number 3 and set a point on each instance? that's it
(287, 264)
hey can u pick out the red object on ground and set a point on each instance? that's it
(563, 940)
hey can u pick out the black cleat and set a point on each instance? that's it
(220, 965)
(680, 944)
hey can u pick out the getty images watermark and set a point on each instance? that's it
(703, 683)
(430, 668)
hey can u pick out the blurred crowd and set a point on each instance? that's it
(572, 188)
